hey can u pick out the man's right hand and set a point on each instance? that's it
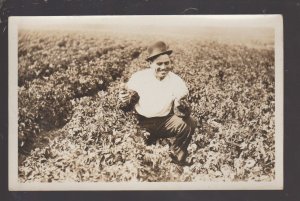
(124, 96)
(127, 98)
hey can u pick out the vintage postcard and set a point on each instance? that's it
(146, 102)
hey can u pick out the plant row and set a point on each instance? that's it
(44, 102)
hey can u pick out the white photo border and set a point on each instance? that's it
(272, 21)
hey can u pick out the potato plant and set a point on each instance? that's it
(44, 99)
(80, 134)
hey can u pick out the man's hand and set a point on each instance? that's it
(182, 107)
(124, 95)
(127, 98)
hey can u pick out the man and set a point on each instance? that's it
(159, 99)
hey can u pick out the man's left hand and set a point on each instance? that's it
(182, 108)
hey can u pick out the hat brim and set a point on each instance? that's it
(168, 52)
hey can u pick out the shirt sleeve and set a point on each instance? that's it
(133, 83)
(180, 88)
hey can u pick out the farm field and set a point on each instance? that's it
(70, 127)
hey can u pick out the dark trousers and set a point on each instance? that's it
(168, 126)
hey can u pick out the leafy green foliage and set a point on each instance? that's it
(44, 99)
(88, 138)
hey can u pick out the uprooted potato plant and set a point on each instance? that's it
(70, 127)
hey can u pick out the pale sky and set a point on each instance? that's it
(157, 20)
(231, 26)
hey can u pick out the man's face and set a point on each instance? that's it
(162, 66)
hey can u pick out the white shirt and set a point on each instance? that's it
(156, 96)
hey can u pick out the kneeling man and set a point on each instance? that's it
(159, 98)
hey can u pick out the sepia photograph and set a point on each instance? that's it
(146, 102)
